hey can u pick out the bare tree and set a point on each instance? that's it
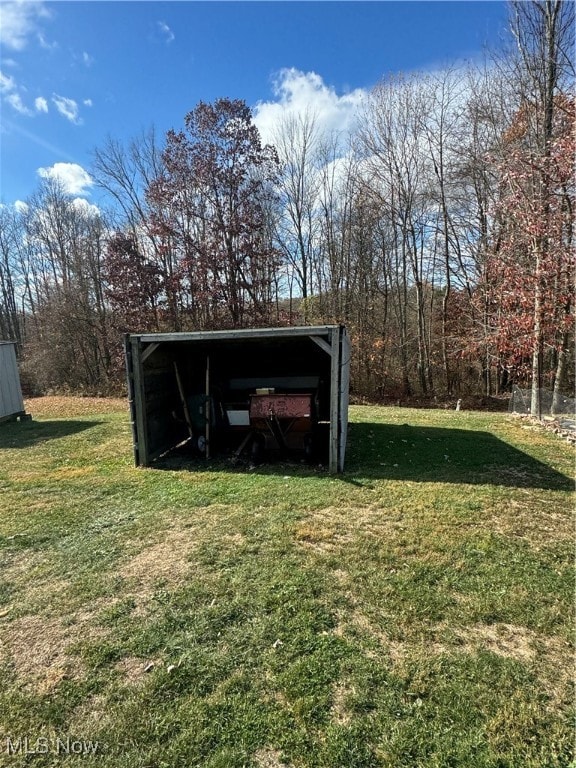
(10, 238)
(125, 172)
(489, 104)
(398, 169)
(297, 141)
(70, 347)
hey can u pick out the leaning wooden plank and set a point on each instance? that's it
(183, 401)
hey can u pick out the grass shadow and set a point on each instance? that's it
(25, 434)
(438, 454)
(404, 452)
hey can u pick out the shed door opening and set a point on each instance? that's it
(265, 394)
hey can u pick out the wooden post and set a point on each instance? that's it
(140, 402)
(207, 406)
(334, 401)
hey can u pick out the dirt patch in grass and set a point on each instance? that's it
(330, 529)
(64, 407)
(356, 620)
(233, 539)
(506, 640)
(552, 655)
(503, 639)
(65, 473)
(269, 758)
(40, 475)
(340, 694)
(341, 576)
(20, 565)
(399, 652)
(381, 647)
(164, 562)
(25, 572)
(47, 594)
(316, 535)
(133, 669)
(556, 674)
(541, 529)
(38, 648)
(91, 714)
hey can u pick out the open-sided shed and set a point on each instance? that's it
(267, 390)
(11, 402)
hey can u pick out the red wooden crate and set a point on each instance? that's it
(281, 406)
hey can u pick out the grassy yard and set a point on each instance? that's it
(417, 611)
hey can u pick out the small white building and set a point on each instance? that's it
(11, 402)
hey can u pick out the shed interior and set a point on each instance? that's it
(208, 394)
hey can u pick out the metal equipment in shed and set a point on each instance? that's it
(267, 391)
(11, 402)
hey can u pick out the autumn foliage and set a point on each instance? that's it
(535, 219)
(207, 212)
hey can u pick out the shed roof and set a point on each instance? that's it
(240, 333)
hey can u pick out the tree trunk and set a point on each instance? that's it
(560, 374)
(536, 397)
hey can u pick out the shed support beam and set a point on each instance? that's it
(150, 349)
(322, 344)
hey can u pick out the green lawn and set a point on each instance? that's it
(417, 611)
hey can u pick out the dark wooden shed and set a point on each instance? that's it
(282, 390)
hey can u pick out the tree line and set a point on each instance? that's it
(440, 232)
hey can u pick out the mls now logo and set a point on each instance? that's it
(24, 745)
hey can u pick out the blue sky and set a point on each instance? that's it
(74, 72)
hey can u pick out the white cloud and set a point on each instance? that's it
(165, 31)
(9, 90)
(41, 104)
(74, 179)
(20, 206)
(15, 101)
(7, 83)
(299, 93)
(83, 206)
(45, 44)
(68, 108)
(87, 102)
(19, 21)
(87, 59)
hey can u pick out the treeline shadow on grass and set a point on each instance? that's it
(404, 452)
(438, 454)
(24, 434)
